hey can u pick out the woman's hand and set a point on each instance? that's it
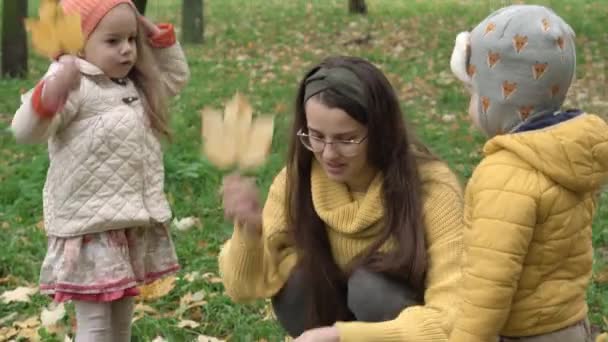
(242, 203)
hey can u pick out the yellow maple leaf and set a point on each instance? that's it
(156, 289)
(55, 32)
(236, 138)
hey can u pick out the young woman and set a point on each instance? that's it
(360, 236)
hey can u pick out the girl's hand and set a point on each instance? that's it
(150, 29)
(69, 74)
(58, 86)
(242, 203)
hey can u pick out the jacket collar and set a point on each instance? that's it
(88, 68)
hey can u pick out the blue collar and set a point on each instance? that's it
(548, 120)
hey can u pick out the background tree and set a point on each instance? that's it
(141, 5)
(357, 6)
(192, 21)
(14, 39)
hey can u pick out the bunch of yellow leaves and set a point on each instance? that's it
(236, 139)
(55, 32)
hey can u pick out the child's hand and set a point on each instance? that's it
(69, 74)
(242, 204)
(150, 29)
(58, 86)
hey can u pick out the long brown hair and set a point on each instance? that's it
(389, 151)
(146, 76)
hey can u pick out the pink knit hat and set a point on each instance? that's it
(91, 11)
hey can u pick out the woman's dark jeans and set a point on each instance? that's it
(371, 297)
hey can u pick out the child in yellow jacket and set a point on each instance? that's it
(530, 203)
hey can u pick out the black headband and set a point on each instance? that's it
(342, 80)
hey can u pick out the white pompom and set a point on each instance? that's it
(458, 62)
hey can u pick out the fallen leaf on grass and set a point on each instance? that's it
(140, 307)
(448, 118)
(58, 329)
(28, 323)
(141, 310)
(189, 301)
(212, 278)
(6, 333)
(204, 338)
(192, 276)
(186, 223)
(30, 334)
(267, 312)
(601, 277)
(185, 299)
(187, 324)
(157, 289)
(50, 318)
(8, 279)
(53, 314)
(27, 329)
(198, 296)
(20, 294)
(196, 314)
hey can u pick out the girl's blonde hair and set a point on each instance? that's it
(146, 76)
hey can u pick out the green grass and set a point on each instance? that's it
(261, 48)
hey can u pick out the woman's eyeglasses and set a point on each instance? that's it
(346, 148)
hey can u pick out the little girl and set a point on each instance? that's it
(103, 113)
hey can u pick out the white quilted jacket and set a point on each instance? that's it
(106, 164)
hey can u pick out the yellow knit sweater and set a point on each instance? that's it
(257, 267)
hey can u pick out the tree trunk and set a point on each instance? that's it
(141, 5)
(357, 6)
(192, 21)
(14, 39)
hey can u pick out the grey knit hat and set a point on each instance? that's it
(520, 61)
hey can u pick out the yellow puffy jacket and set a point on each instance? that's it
(528, 212)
